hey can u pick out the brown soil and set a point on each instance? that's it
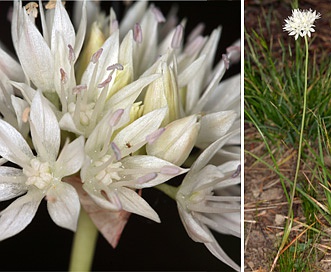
(266, 207)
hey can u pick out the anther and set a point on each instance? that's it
(105, 82)
(25, 114)
(79, 88)
(116, 66)
(226, 61)
(151, 138)
(32, 9)
(170, 170)
(52, 4)
(116, 150)
(237, 172)
(96, 56)
(178, 36)
(64, 77)
(116, 117)
(72, 56)
(158, 15)
(146, 178)
(137, 33)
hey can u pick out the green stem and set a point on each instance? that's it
(289, 221)
(169, 190)
(301, 130)
(84, 244)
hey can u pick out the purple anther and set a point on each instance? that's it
(137, 33)
(116, 117)
(64, 77)
(146, 178)
(197, 31)
(116, 150)
(116, 66)
(72, 56)
(114, 25)
(226, 61)
(178, 37)
(96, 56)
(105, 82)
(151, 138)
(194, 46)
(170, 170)
(237, 172)
(79, 88)
(233, 48)
(158, 15)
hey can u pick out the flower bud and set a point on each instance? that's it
(176, 142)
(163, 92)
(94, 42)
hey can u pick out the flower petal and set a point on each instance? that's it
(71, 158)
(11, 183)
(63, 205)
(45, 128)
(150, 164)
(31, 45)
(19, 214)
(136, 132)
(13, 147)
(214, 126)
(134, 203)
(218, 252)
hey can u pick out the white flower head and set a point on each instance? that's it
(301, 22)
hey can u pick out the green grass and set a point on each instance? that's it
(274, 84)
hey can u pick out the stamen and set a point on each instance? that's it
(146, 178)
(116, 150)
(137, 33)
(32, 9)
(226, 61)
(237, 172)
(52, 4)
(151, 138)
(158, 15)
(64, 77)
(25, 115)
(196, 32)
(105, 82)
(79, 88)
(177, 38)
(116, 66)
(72, 56)
(113, 26)
(96, 56)
(194, 46)
(233, 48)
(170, 170)
(116, 117)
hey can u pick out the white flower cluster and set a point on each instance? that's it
(109, 109)
(301, 23)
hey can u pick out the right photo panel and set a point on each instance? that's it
(287, 124)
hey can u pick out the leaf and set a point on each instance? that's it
(110, 224)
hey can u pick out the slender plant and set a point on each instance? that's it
(300, 23)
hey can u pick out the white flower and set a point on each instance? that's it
(204, 201)
(42, 56)
(39, 175)
(113, 172)
(301, 22)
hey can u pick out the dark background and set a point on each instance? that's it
(144, 245)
